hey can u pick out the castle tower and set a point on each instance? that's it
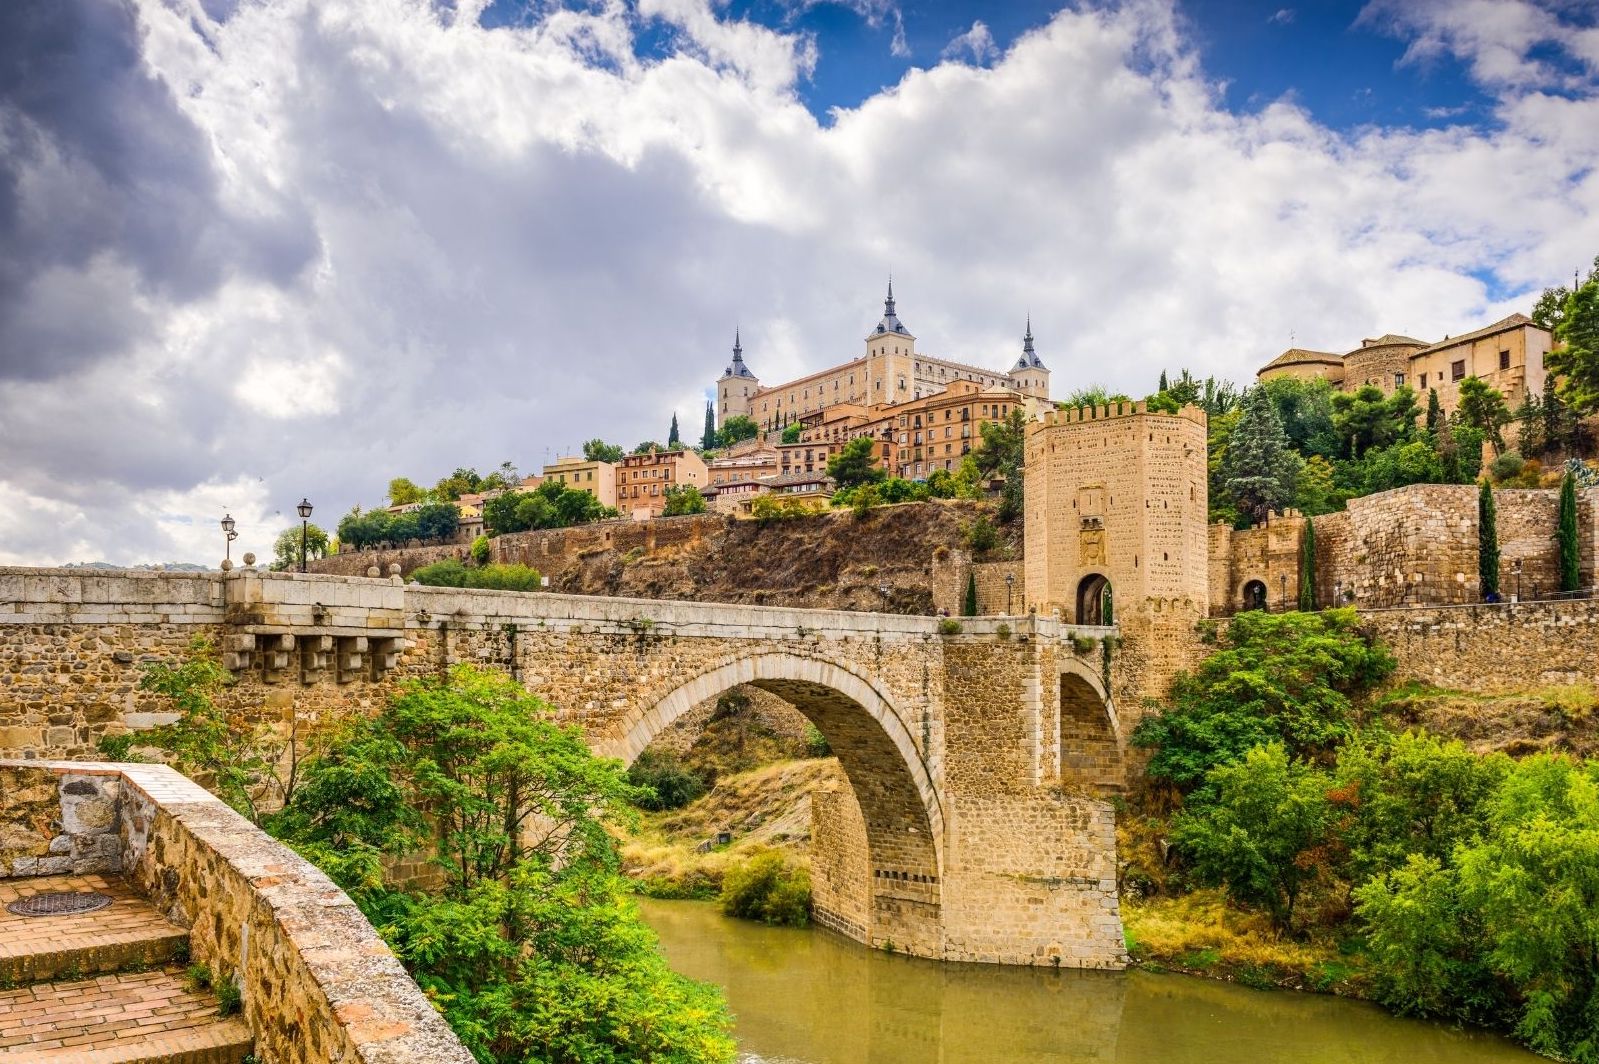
(890, 351)
(735, 386)
(1116, 523)
(1029, 374)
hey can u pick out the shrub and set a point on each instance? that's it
(671, 784)
(1505, 467)
(981, 535)
(480, 550)
(767, 888)
(451, 573)
(448, 573)
(816, 744)
(949, 626)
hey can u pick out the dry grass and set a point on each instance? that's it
(1201, 934)
(1560, 718)
(769, 807)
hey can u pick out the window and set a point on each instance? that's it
(1421, 383)
(1457, 369)
(1504, 360)
(1399, 380)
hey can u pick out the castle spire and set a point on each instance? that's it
(737, 367)
(891, 322)
(1029, 359)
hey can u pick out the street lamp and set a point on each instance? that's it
(228, 536)
(883, 590)
(305, 527)
(1010, 581)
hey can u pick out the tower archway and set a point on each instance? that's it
(1094, 605)
(1253, 595)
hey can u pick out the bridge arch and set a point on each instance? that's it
(1091, 746)
(899, 801)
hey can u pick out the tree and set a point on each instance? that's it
(1487, 544)
(1468, 443)
(708, 436)
(597, 450)
(286, 548)
(792, 433)
(1483, 407)
(1258, 832)
(459, 483)
(1550, 310)
(551, 505)
(969, 605)
(673, 440)
(1316, 492)
(1566, 535)
(856, 464)
(1307, 568)
(1435, 412)
(1553, 413)
(1093, 395)
(1366, 418)
(402, 492)
(1260, 469)
(1576, 358)
(1289, 678)
(1529, 436)
(1002, 453)
(1163, 384)
(736, 428)
(647, 446)
(683, 499)
(1306, 408)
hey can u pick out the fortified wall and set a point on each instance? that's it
(1412, 546)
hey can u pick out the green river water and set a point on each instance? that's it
(811, 997)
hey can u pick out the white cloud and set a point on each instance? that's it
(976, 44)
(1283, 16)
(1499, 39)
(397, 243)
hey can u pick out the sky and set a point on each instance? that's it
(254, 250)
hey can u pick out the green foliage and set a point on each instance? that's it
(708, 434)
(459, 483)
(856, 464)
(1001, 456)
(1576, 358)
(673, 439)
(683, 499)
(767, 888)
(551, 505)
(969, 603)
(791, 434)
(286, 548)
(1305, 407)
(816, 744)
(882, 492)
(1287, 678)
(1483, 407)
(402, 492)
(1260, 470)
(1307, 569)
(1435, 412)
(230, 999)
(1567, 537)
(481, 550)
(670, 783)
(1506, 467)
(1258, 832)
(1487, 544)
(1365, 419)
(1093, 395)
(531, 949)
(949, 626)
(597, 450)
(430, 522)
(1469, 440)
(451, 573)
(736, 428)
(981, 535)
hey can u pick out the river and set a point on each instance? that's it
(812, 997)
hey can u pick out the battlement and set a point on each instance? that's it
(1084, 414)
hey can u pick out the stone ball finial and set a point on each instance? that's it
(394, 568)
(373, 571)
(226, 565)
(249, 559)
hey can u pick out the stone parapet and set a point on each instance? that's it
(317, 983)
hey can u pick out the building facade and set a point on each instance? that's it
(582, 474)
(643, 480)
(892, 371)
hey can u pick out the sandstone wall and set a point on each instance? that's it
(840, 864)
(1495, 649)
(409, 559)
(317, 984)
(951, 570)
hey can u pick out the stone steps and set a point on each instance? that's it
(128, 934)
(124, 1018)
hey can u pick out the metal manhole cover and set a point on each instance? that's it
(59, 903)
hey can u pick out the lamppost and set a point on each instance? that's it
(882, 589)
(305, 527)
(1515, 567)
(1010, 582)
(228, 536)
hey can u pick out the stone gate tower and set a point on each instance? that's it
(1116, 508)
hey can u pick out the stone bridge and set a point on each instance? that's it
(979, 760)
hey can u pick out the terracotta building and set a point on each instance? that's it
(642, 480)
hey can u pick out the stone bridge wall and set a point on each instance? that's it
(1495, 649)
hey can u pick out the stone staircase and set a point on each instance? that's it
(104, 987)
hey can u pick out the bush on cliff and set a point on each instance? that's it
(665, 781)
(767, 888)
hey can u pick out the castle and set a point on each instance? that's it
(891, 372)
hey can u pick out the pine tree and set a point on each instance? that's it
(1164, 386)
(708, 439)
(1260, 469)
(1487, 544)
(673, 440)
(1307, 568)
(1554, 419)
(1435, 412)
(969, 608)
(1566, 535)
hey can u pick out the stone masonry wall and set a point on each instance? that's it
(317, 984)
(951, 570)
(1497, 649)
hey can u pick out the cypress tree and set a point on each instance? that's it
(1487, 544)
(1435, 412)
(1164, 386)
(673, 440)
(1307, 568)
(969, 608)
(1566, 534)
(708, 439)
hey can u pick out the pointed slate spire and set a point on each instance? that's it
(737, 368)
(1029, 359)
(891, 322)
